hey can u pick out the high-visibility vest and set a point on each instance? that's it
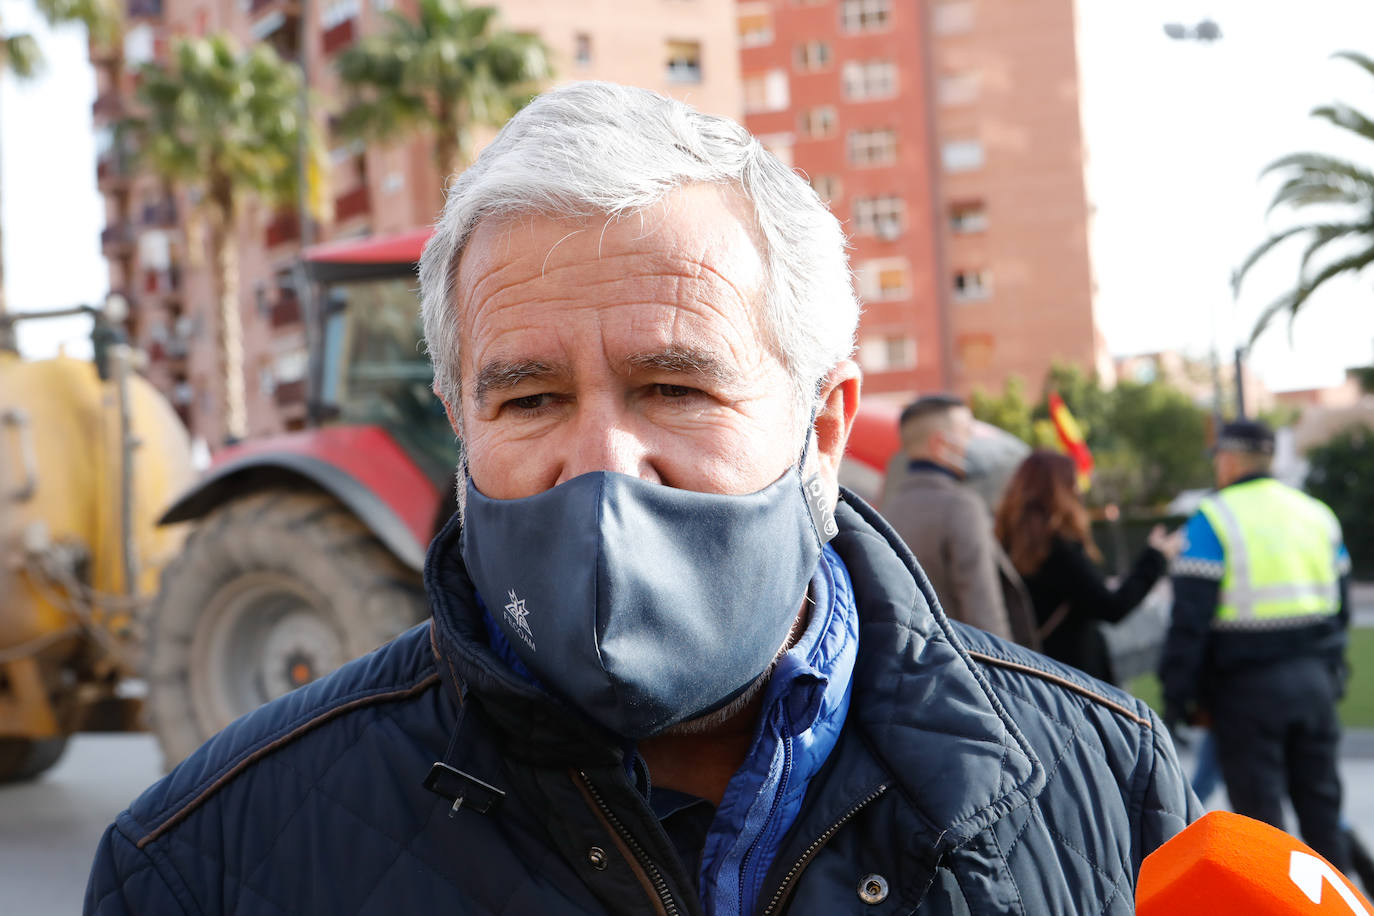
(1280, 548)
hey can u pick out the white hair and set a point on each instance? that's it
(593, 148)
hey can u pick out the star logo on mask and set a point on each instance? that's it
(518, 616)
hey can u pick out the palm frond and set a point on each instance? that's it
(1355, 57)
(20, 55)
(1238, 275)
(1347, 117)
(1293, 301)
(449, 68)
(1308, 189)
(1326, 233)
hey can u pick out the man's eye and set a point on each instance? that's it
(529, 402)
(676, 391)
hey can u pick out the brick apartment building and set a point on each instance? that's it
(160, 262)
(945, 133)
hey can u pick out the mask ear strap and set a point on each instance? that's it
(813, 488)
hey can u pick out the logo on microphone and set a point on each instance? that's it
(518, 617)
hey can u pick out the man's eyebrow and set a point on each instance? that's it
(502, 375)
(686, 361)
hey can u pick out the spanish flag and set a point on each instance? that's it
(1071, 437)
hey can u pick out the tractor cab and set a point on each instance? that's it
(371, 368)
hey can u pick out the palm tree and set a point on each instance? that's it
(447, 70)
(1320, 181)
(224, 125)
(21, 58)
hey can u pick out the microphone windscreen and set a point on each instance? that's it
(1224, 864)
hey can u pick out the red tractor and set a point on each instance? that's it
(308, 547)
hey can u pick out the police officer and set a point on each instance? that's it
(1256, 647)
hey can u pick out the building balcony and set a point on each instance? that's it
(117, 239)
(290, 393)
(278, 24)
(161, 214)
(285, 227)
(162, 282)
(352, 203)
(286, 311)
(288, 8)
(145, 9)
(339, 36)
(113, 172)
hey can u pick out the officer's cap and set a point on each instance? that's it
(1252, 437)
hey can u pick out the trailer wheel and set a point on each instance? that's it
(23, 758)
(270, 592)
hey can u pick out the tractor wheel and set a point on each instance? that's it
(270, 592)
(22, 758)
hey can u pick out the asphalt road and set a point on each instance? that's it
(49, 828)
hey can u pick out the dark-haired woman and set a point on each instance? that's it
(1043, 525)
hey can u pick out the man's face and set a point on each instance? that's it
(629, 346)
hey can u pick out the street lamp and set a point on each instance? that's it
(1206, 31)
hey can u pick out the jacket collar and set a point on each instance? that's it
(929, 712)
(932, 469)
(926, 711)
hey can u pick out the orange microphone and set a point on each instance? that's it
(1224, 864)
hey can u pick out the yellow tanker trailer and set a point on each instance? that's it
(86, 464)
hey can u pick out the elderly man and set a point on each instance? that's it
(670, 669)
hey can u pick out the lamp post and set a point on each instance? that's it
(1206, 32)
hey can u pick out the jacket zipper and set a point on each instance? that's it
(799, 866)
(772, 812)
(665, 894)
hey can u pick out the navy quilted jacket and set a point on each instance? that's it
(971, 777)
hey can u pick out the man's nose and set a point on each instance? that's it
(603, 438)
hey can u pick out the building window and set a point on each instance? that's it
(684, 61)
(869, 79)
(962, 155)
(780, 145)
(952, 17)
(972, 285)
(888, 353)
(827, 187)
(883, 279)
(868, 148)
(880, 216)
(968, 218)
(582, 49)
(755, 25)
(337, 12)
(865, 15)
(957, 89)
(140, 45)
(818, 123)
(812, 56)
(766, 92)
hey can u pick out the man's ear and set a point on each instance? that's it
(838, 404)
(451, 410)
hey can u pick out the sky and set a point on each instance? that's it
(1176, 136)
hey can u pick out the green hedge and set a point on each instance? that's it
(1342, 476)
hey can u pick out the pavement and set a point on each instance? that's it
(1362, 604)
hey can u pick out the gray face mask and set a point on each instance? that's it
(643, 605)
